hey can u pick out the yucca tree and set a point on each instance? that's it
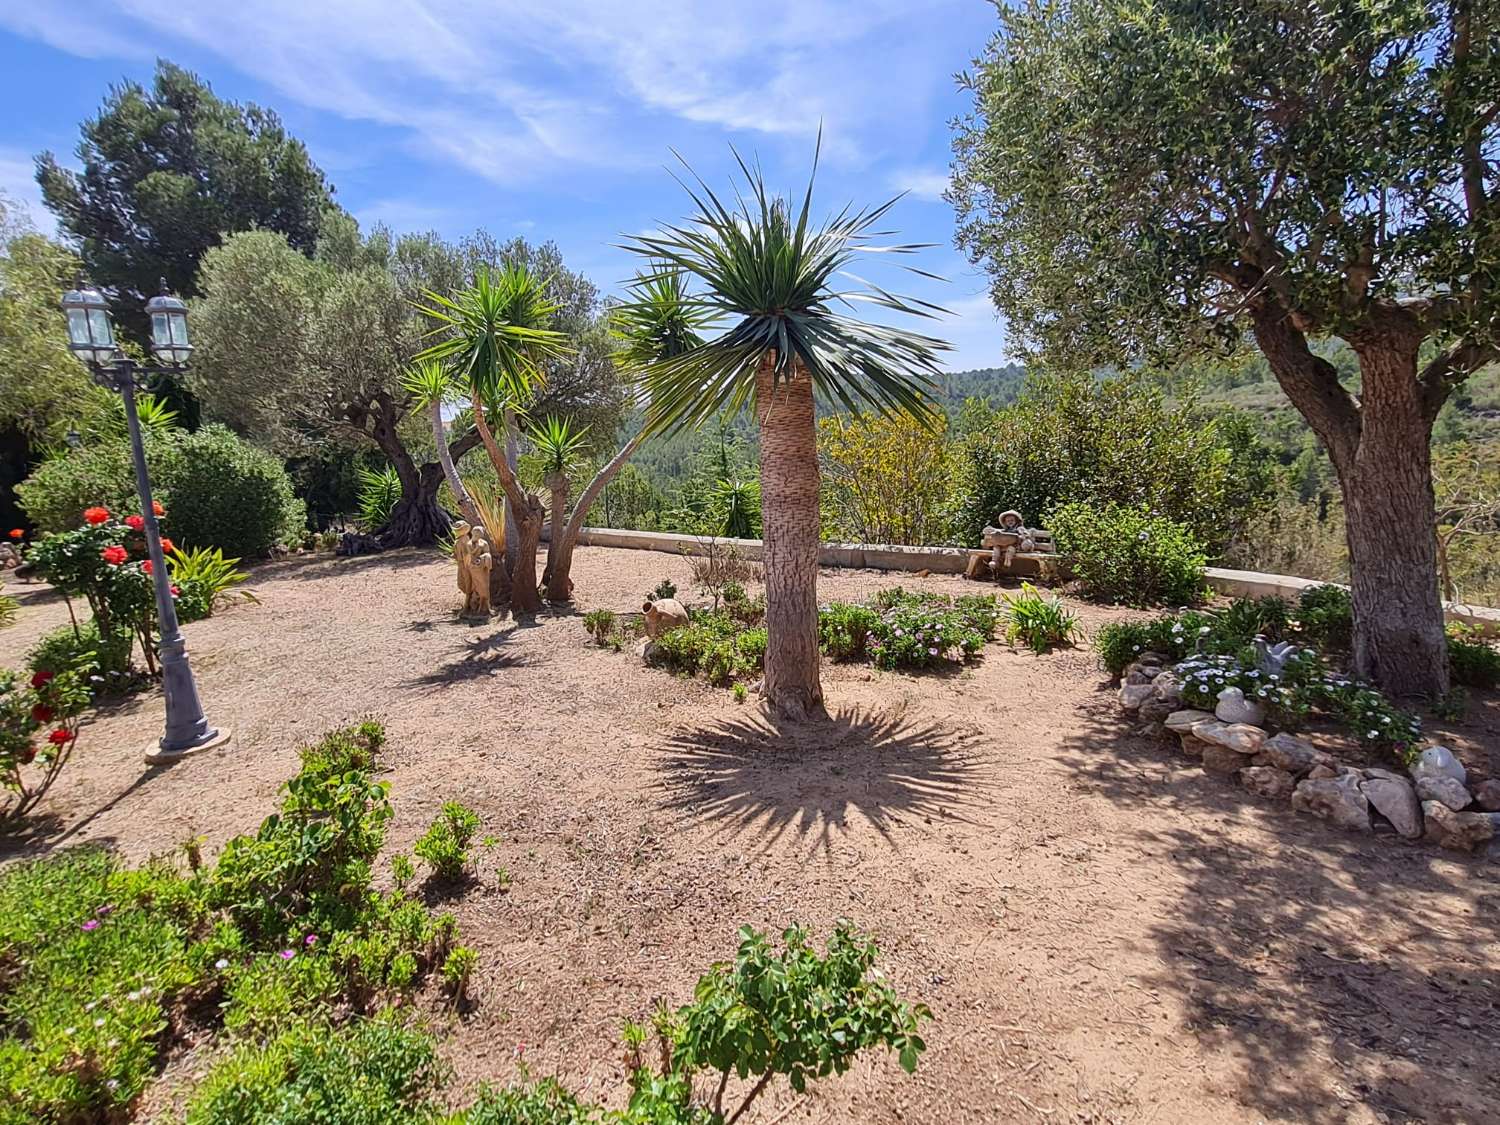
(432, 386)
(658, 323)
(494, 339)
(770, 272)
(559, 445)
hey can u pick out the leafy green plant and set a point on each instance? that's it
(740, 693)
(922, 630)
(204, 578)
(1037, 622)
(379, 491)
(844, 630)
(458, 969)
(1126, 554)
(445, 843)
(31, 761)
(716, 645)
(1473, 658)
(8, 608)
(600, 623)
(1325, 617)
(102, 662)
(666, 588)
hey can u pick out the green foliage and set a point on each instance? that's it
(31, 761)
(1124, 554)
(717, 644)
(540, 1103)
(224, 493)
(204, 578)
(1036, 621)
(666, 588)
(740, 693)
(734, 506)
(445, 843)
(1325, 616)
(1473, 658)
(58, 490)
(600, 623)
(371, 1072)
(927, 630)
(457, 971)
(884, 480)
(844, 630)
(1116, 441)
(82, 650)
(379, 491)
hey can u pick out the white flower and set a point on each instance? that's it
(1203, 631)
(221, 963)
(1254, 675)
(1372, 734)
(99, 1022)
(1385, 719)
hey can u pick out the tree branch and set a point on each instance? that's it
(1310, 381)
(1450, 368)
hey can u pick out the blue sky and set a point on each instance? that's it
(552, 119)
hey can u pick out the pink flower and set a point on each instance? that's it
(310, 940)
(91, 924)
(146, 566)
(288, 954)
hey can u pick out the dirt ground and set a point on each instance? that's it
(1103, 932)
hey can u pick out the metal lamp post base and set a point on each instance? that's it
(156, 755)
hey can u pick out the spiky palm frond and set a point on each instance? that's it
(428, 381)
(772, 273)
(494, 335)
(559, 443)
(660, 321)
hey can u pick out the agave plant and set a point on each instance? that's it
(379, 490)
(770, 271)
(493, 338)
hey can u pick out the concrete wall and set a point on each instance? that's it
(953, 560)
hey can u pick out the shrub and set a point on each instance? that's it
(844, 630)
(224, 493)
(664, 589)
(600, 623)
(30, 760)
(445, 843)
(715, 644)
(60, 488)
(84, 651)
(1037, 622)
(1325, 617)
(1474, 660)
(720, 567)
(204, 578)
(457, 970)
(1125, 554)
(379, 490)
(884, 479)
(923, 630)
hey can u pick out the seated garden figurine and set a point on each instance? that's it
(475, 556)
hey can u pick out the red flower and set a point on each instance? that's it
(136, 523)
(166, 546)
(28, 755)
(41, 713)
(42, 679)
(59, 736)
(176, 590)
(113, 555)
(96, 516)
(146, 566)
(157, 509)
(18, 533)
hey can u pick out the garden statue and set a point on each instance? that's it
(1005, 542)
(1271, 660)
(475, 556)
(662, 616)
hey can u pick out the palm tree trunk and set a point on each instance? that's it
(789, 499)
(560, 550)
(527, 521)
(557, 486)
(513, 459)
(460, 493)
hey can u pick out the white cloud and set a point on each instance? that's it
(18, 184)
(927, 184)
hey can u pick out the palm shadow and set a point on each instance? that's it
(1292, 945)
(769, 779)
(473, 660)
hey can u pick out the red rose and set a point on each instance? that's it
(176, 590)
(42, 679)
(18, 533)
(136, 523)
(96, 516)
(113, 555)
(166, 546)
(41, 713)
(59, 737)
(146, 566)
(157, 509)
(28, 755)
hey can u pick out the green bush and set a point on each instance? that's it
(1325, 617)
(83, 650)
(379, 492)
(204, 578)
(1037, 622)
(445, 843)
(715, 644)
(1126, 554)
(60, 488)
(920, 630)
(844, 630)
(1474, 659)
(600, 623)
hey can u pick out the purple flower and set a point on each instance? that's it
(288, 954)
(91, 924)
(932, 652)
(103, 910)
(310, 939)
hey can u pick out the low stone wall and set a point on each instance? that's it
(953, 560)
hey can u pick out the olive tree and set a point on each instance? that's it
(1145, 178)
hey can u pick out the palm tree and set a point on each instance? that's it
(560, 446)
(431, 385)
(658, 324)
(771, 273)
(493, 337)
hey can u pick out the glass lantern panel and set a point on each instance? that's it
(161, 335)
(99, 328)
(78, 328)
(179, 328)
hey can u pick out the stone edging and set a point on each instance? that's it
(1434, 802)
(953, 560)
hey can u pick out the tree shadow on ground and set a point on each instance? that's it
(472, 660)
(1338, 971)
(770, 779)
(314, 568)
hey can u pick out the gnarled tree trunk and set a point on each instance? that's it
(450, 470)
(560, 549)
(417, 519)
(527, 523)
(789, 515)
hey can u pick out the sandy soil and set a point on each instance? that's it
(1104, 933)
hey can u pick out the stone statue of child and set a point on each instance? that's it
(1011, 536)
(474, 554)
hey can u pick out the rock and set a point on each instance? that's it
(1233, 707)
(1156, 710)
(1384, 775)
(1191, 746)
(1133, 695)
(1291, 754)
(1139, 675)
(1221, 760)
(1487, 795)
(1239, 737)
(1322, 772)
(1181, 721)
(1168, 687)
(1437, 787)
(1334, 799)
(647, 650)
(1393, 798)
(1268, 781)
(1439, 761)
(1149, 730)
(1458, 831)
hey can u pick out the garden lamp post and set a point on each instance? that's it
(92, 339)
